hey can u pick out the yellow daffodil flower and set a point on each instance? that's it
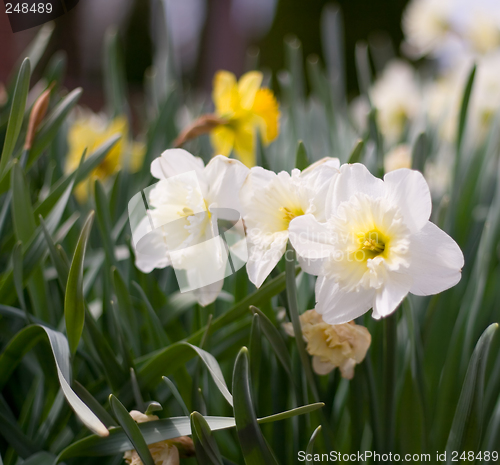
(245, 108)
(89, 131)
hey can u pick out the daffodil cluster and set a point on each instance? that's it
(369, 241)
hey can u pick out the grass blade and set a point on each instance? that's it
(131, 430)
(207, 451)
(310, 446)
(74, 303)
(253, 445)
(301, 159)
(16, 113)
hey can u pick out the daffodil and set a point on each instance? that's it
(90, 130)
(181, 227)
(333, 346)
(376, 246)
(246, 109)
(271, 202)
(396, 96)
(166, 452)
(398, 157)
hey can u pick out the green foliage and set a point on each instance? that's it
(427, 383)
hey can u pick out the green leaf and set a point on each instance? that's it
(16, 113)
(357, 152)
(291, 413)
(276, 341)
(253, 445)
(131, 430)
(176, 355)
(152, 431)
(41, 458)
(176, 394)
(48, 131)
(95, 406)
(310, 446)
(465, 433)
(301, 159)
(17, 258)
(270, 288)
(74, 303)
(15, 437)
(104, 221)
(255, 349)
(207, 451)
(59, 263)
(24, 341)
(114, 75)
(22, 210)
(419, 154)
(462, 119)
(160, 430)
(152, 407)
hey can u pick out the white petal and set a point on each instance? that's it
(321, 368)
(436, 261)
(311, 240)
(225, 177)
(206, 295)
(394, 290)
(263, 259)
(151, 252)
(176, 161)
(408, 190)
(257, 180)
(353, 179)
(339, 306)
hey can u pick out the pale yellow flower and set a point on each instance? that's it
(88, 132)
(163, 452)
(246, 108)
(333, 346)
(398, 157)
(484, 32)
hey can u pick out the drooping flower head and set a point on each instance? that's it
(271, 202)
(90, 130)
(333, 346)
(376, 246)
(245, 107)
(181, 225)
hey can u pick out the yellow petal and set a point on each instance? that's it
(222, 138)
(225, 93)
(244, 145)
(248, 86)
(266, 108)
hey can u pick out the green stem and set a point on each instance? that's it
(390, 341)
(291, 292)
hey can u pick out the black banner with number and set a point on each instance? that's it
(26, 14)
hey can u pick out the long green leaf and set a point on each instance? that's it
(466, 431)
(16, 113)
(74, 303)
(357, 152)
(26, 340)
(22, 209)
(253, 445)
(207, 451)
(131, 430)
(301, 159)
(310, 446)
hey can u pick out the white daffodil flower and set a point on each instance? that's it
(180, 225)
(270, 203)
(376, 246)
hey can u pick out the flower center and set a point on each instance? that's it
(290, 214)
(372, 242)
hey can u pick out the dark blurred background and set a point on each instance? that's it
(207, 35)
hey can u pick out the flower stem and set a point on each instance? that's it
(390, 342)
(291, 292)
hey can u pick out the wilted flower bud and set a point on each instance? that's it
(333, 346)
(37, 114)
